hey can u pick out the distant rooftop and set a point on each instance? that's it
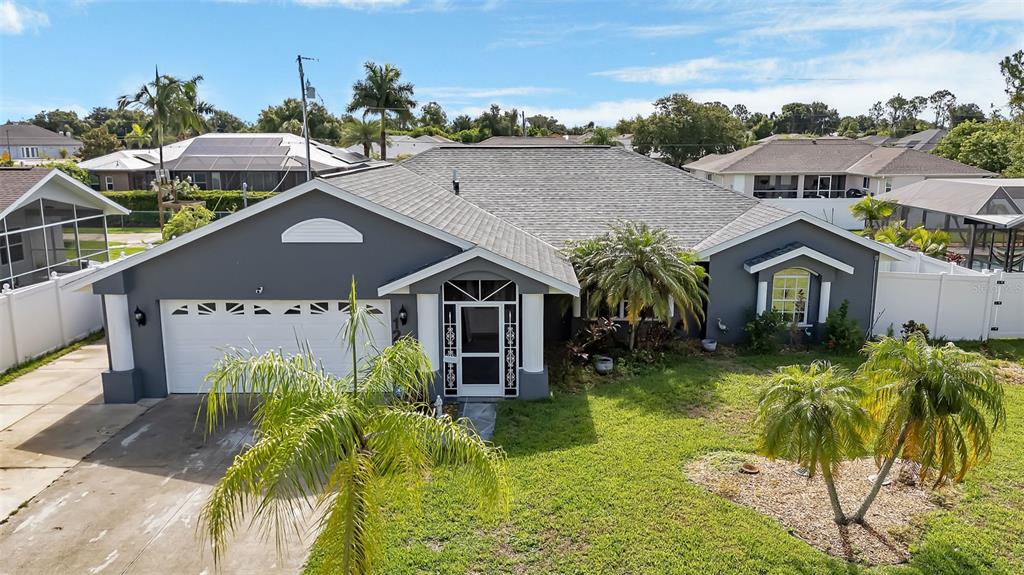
(32, 135)
(234, 152)
(964, 197)
(529, 141)
(825, 155)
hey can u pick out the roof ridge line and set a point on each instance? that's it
(476, 207)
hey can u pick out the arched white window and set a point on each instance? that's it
(790, 289)
(321, 231)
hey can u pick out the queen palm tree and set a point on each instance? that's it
(814, 416)
(931, 243)
(137, 138)
(173, 107)
(873, 211)
(381, 93)
(643, 267)
(344, 442)
(356, 132)
(937, 406)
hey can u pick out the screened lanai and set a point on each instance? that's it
(984, 217)
(49, 223)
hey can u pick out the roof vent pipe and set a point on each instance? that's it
(455, 181)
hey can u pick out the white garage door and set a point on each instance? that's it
(196, 332)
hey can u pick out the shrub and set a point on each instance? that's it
(911, 327)
(763, 331)
(69, 168)
(187, 219)
(842, 334)
(216, 200)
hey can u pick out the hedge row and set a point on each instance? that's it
(216, 200)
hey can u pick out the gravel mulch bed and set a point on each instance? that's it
(802, 505)
(1010, 373)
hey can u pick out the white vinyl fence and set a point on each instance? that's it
(40, 318)
(956, 303)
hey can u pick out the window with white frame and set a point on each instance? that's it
(888, 186)
(14, 244)
(29, 152)
(109, 183)
(790, 290)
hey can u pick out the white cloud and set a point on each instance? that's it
(697, 70)
(15, 18)
(666, 31)
(790, 18)
(853, 80)
(456, 92)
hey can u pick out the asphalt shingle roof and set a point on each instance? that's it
(831, 155)
(409, 194)
(774, 253)
(569, 193)
(15, 182)
(32, 135)
(962, 196)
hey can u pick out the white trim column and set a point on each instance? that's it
(119, 332)
(823, 301)
(762, 297)
(428, 328)
(533, 332)
(577, 306)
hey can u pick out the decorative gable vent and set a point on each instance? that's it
(321, 231)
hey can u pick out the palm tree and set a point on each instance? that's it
(930, 243)
(814, 416)
(173, 107)
(137, 138)
(643, 267)
(873, 211)
(381, 93)
(934, 405)
(346, 442)
(359, 133)
(893, 233)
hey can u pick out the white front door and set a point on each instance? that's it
(196, 333)
(480, 329)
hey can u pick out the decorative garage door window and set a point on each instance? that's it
(239, 308)
(502, 296)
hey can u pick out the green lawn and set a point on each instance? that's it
(598, 487)
(134, 230)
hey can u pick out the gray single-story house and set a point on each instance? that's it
(462, 248)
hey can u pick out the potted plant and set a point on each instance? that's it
(603, 364)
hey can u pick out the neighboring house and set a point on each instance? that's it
(403, 146)
(984, 217)
(261, 162)
(49, 222)
(28, 144)
(923, 141)
(823, 177)
(462, 248)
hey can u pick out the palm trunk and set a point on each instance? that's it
(833, 495)
(882, 474)
(383, 137)
(632, 335)
(367, 149)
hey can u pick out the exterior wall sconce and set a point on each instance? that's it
(140, 316)
(403, 316)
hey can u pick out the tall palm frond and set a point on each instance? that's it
(814, 416)
(873, 211)
(643, 266)
(323, 443)
(937, 406)
(382, 92)
(357, 132)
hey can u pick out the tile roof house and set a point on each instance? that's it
(824, 176)
(462, 247)
(28, 144)
(49, 222)
(215, 161)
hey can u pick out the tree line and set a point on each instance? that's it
(679, 130)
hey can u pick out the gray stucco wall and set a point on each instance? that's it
(233, 262)
(733, 290)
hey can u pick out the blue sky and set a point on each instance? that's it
(576, 60)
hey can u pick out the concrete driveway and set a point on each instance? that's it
(114, 489)
(50, 419)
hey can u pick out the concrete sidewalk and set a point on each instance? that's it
(50, 419)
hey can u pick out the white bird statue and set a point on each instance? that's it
(722, 327)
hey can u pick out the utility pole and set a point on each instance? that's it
(305, 124)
